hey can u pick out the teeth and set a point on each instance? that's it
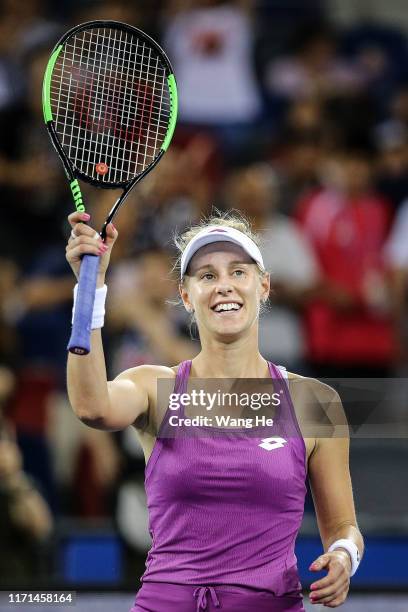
(230, 306)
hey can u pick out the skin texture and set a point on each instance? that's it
(220, 272)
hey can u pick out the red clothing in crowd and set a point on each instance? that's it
(348, 236)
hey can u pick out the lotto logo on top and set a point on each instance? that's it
(272, 443)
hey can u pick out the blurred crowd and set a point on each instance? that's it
(296, 122)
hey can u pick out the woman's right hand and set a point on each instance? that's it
(87, 241)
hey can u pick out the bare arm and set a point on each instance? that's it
(333, 498)
(332, 492)
(98, 403)
(111, 406)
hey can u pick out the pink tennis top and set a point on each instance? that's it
(224, 510)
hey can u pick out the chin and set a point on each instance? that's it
(232, 328)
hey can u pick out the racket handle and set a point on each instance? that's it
(80, 341)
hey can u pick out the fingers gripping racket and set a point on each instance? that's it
(110, 106)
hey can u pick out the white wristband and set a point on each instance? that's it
(98, 315)
(352, 550)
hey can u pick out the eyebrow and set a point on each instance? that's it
(231, 263)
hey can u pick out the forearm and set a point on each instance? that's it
(87, 381)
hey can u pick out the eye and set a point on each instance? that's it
(239, 272)
(208, 276)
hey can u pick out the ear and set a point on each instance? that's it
(265, 286)
(184, 296)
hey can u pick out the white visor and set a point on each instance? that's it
(221, 233)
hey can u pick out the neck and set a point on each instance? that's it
(238, 359)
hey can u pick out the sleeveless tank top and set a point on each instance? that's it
(226, 509)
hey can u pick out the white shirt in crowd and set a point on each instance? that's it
(211, 50)
(290, 259)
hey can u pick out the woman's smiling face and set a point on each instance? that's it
(224, 288)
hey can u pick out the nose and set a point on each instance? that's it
(223, 289)
(224, 286)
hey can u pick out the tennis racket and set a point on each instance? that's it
(110, 107)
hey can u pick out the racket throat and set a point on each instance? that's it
(77, 195)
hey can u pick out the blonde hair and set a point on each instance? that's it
(230, 218)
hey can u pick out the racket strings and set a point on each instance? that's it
(114, 105)
(111, 103)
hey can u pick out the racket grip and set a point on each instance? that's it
(80, 341)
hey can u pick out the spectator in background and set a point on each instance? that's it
(25, 520)
(288, 256)
(314, 68)
(298, 166)
(349, 325)
(35, 309)
(150, 332)
(38, 311)
(210, 43)
(22, 26)
(391, 139)
(306, 120)
(7, 384)
(10, 83)
(396, 256)
(379, 50)
(178, 191)
(136, 14)
(30, 173)
(9, 348)
(304, 138)
(397, 121)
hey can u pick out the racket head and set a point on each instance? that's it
(109, 102)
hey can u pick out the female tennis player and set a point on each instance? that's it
(224, 510)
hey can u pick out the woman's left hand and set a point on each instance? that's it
(331, 591)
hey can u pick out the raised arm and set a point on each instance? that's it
(98, 403)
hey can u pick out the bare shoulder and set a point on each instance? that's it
(308, 383)
(318, 408)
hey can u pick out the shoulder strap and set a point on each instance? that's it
(180, 384)
(287, 414)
